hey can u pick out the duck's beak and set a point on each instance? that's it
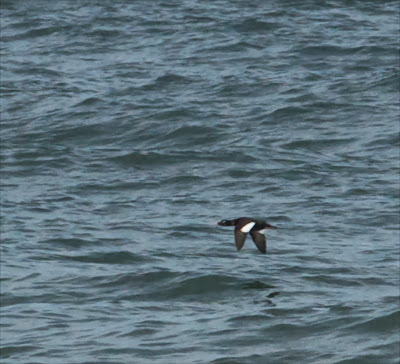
(269, 226)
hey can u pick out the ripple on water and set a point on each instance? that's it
(129, 130)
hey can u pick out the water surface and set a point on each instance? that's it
(129, 130)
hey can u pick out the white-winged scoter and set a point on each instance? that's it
(244, 225)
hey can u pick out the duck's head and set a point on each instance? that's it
(226, 223)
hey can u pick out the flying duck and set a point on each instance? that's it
(244, 225)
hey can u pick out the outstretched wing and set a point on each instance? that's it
(260, 241)
(240, 238)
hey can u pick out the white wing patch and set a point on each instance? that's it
(247, 227)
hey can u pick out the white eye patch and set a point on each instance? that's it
(247, 227)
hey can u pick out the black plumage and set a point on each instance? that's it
(244, 225)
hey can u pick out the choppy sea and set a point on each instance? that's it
(128, 129)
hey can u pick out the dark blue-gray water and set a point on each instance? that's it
(130, 128)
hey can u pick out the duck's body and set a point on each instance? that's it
(244, 225)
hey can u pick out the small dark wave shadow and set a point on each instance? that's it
(120, 257)
(267, 300)
(201, 286)
(69, 242)
(167, 80)
(256, 25)
(256, 285)
(88, 101)
(177, 286)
